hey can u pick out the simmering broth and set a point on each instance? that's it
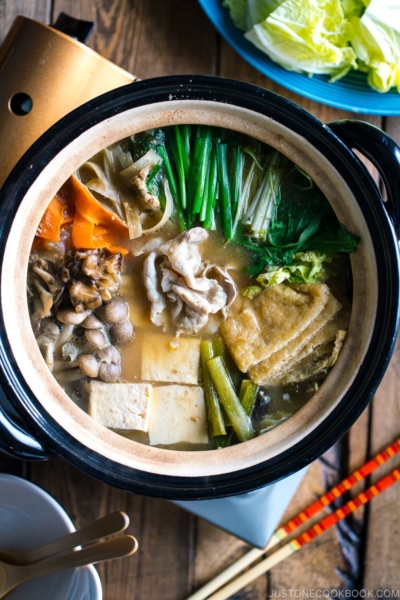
(190, 301)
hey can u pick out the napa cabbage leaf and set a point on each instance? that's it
(354, 8)
(307, 267)
(376, 41)
(309, 36)
(238, 12)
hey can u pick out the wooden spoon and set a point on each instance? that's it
(12, 575)
(112, 523)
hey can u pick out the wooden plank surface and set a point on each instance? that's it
(179, 552)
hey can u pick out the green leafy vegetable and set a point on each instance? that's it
(252, 291)
(246, 13)
(238, 12)
(307, 223)
(272, 420)
(308, 267)
(376, 41)
(326, 36)
(354, 8)
(309, 36)
(142, 143)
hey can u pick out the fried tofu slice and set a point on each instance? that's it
(269, 371)
(170, 359)
(323, 357)
(178, 415)
(278, 315)
(121, 405)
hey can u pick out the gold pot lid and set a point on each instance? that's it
(44, 74)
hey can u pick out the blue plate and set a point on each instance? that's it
(350, 93)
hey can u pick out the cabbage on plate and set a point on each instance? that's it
(310, 36)
(327, 37)
(376, 41)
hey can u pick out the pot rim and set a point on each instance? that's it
(269, 104)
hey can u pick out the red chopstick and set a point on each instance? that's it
(301, 518)
(336, 492)
(303, 539)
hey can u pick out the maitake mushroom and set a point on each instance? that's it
(66, 291)
(45, 286)
(92, 278)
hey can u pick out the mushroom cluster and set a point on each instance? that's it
(108, 327)
(78, 320)
(45, 285)
(92, 278)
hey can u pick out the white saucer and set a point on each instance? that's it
(29, 517)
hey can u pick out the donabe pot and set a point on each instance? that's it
(54, 424)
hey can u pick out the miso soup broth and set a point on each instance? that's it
(190, 287)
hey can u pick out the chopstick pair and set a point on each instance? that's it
(296, 544)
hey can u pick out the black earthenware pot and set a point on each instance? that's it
(52, 424)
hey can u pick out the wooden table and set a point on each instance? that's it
(179, 552)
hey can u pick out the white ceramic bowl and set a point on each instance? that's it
(29, 517)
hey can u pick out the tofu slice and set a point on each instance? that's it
(178, 415)
(170, 359)
(121, 405)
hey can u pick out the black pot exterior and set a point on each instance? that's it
(50, 435)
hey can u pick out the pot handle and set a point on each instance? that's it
(17, 441)
(384, 154)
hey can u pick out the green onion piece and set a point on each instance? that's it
(225, 191)
(186, 134)
(241, 423)
(248, 395)
(214, 412)
(209, 220)
(184, 152)
(204, 202)
(183, 164)
(244, 197)
(237, 177)
(161, 150)
(243, 387)
(259, 214)
(223, 441)
(154, 172)
(202, 175)
(195, 167)
(219, 347)
(173, 143)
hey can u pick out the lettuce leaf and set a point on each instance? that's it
(376, 41)
(309, 36)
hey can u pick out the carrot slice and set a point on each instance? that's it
(92, 209)
(50, 225)
(93, 226)
(106, 236)
(82, 232)
(88, 235)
